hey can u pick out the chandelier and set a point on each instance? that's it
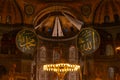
(61, 68)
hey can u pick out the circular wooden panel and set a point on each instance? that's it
(26, 41)
(88, 41)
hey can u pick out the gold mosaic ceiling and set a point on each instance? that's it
(57, 23)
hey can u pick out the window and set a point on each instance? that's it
(116, 18)
(109, 50)
(56, 54)
(106, 19)
(42, 52)
(72, 52)
(8, 19)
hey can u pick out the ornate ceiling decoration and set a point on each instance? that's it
(107, 11)
(57, 22)
(10, 12)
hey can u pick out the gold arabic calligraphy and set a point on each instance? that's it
(87, 41)
(26, 41)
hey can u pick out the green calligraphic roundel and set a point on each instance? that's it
(26, 41)
(88, 41)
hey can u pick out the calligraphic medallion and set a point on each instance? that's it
(88, 41)
(26, 41)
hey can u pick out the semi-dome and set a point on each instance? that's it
(58, 24)
(10, 12)
(107, 11)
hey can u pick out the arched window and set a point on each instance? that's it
(8, 19)
(116, 17)
(106, 19)
(109, 50)
(72, 52)
(43, 52)
(56, 54)
(41, 56)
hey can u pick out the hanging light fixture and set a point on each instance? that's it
(61, 68)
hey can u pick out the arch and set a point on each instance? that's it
(8, 19)
(95, 11)
(43, 52)
(116, 18)
(50, 23)
(106, 19)
(50, 9)
(109, 50)
(72, 52)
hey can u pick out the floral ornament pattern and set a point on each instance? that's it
(86, 10)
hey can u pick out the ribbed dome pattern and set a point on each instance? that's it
(107, 11)
(10, 12)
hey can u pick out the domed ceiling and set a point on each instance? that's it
(107, 11)
(10, 12)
